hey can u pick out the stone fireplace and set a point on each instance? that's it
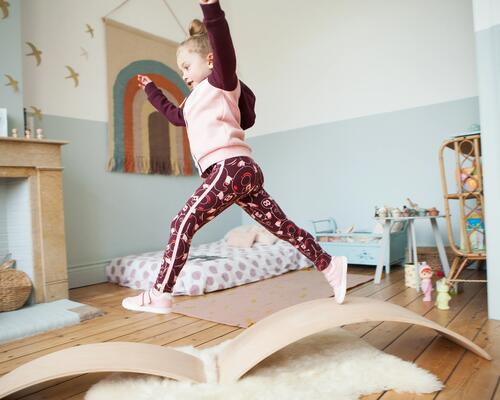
(31, 213)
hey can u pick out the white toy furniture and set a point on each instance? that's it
(412, 244)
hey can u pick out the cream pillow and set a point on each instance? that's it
(242, 236)
(264, 236)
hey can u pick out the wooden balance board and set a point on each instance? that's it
(243, 352)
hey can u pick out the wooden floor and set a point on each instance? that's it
(465, 375)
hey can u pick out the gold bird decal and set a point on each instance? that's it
(4, 6)
(90, 30)
(13, 83)
(72, 75)
(35, 52)
(84, 53)
(37, 112)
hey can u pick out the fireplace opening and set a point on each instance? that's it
(16, 225)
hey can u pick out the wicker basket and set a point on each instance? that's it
(15, 288)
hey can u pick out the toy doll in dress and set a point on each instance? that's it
(426, 281)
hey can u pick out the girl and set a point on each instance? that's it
(215, 114)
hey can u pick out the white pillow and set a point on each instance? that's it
(264, 236)
(242, 236)
(246, 235)
(241, 228)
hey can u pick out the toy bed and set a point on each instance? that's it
(210, 267)
(361, 247)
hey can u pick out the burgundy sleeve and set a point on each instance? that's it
(223, 75)
(156, 97)
(246, 104)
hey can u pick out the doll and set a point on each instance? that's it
(442, 288)
(426, 281)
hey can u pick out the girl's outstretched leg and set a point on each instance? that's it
(264, 209)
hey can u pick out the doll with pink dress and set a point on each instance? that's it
(426, 281)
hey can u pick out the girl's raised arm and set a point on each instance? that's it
(174, 114)
(223, 74)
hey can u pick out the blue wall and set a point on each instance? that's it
(344, 169)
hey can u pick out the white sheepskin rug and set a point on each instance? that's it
(333, 364)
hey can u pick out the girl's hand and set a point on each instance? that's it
(208, 1)
(143, 81)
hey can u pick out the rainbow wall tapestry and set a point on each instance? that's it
(140, 139)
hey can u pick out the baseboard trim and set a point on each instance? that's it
(87, 274)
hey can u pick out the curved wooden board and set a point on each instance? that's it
(239, 356)
(294, 323)
(105, 357)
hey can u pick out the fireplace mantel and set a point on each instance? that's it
(39, 161)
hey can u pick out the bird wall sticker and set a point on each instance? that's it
(90, 30)
(84, 53)
(35, 53)
(12, 82)
(37, 112)
(72, 75)
(4, 6)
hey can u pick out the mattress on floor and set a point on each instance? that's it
(210, 267)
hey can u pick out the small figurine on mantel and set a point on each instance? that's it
(442, 288)
(426, 281)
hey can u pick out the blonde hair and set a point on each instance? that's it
(198, 39)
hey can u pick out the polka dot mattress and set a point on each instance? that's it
(210, 267)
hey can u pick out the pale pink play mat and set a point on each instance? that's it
(244, 305)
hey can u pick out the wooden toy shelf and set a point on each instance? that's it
(469, 194)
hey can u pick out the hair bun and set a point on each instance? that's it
(197, 28)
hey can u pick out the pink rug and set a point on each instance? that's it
(244, 305)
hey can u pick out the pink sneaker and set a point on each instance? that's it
(336, 275)
(149, 301)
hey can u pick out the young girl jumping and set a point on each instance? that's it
(215, 114)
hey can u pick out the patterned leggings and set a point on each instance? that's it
(234, 180)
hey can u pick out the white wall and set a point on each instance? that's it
(486, 14)
(58, 27)
(321, 61)
(308, 63)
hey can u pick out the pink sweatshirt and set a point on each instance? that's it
(213, 111)
(213, 124)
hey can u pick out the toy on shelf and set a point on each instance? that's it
(381, 212)
(426, 281)
(469, 178)
(474, 228)
(443, 295)
(412, 211)
(412, 204)
(433, 212)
